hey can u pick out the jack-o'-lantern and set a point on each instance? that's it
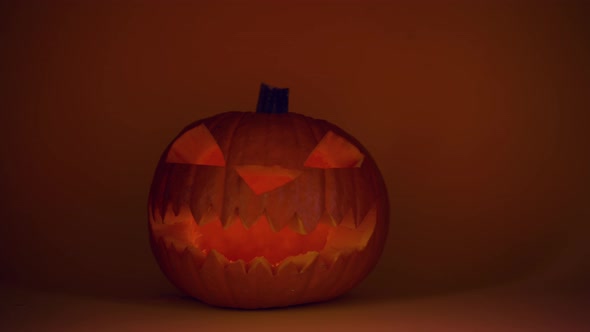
(266, 209)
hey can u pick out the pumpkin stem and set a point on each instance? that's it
(272, 100)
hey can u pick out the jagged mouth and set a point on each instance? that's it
(236, 242)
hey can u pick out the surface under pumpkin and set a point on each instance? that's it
(266, 209)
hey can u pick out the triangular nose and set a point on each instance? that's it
(262, 179)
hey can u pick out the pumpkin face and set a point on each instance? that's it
(254, 210)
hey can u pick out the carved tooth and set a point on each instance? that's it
(209, 216)
(339, 263)
(232, 219)
(287, 267)
(287, 264)
(348, 220)
(177, 245)
(297, 225)
(236, 268)
(196, 255)
(155, 216)
(346, 239)
(250, 222)
(183, 230)
(214, 261)
(278, 221)
(259, 265)
(171, 217)
(219, 257)
(261, 219)
(302, 262)
(327, 219)
(328, 256)
(274, 225)
(367, 227)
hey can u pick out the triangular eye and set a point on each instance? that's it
(334, 151)
(197, 147)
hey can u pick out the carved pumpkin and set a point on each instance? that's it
(266, 209)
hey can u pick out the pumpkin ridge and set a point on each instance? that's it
(223, 187)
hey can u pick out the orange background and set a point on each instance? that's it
(476, 113)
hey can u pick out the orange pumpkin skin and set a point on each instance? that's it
(254, 210)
